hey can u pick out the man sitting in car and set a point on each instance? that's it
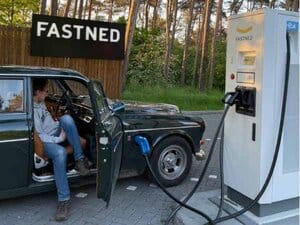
(52, 133)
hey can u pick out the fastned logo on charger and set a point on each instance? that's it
(244, 30)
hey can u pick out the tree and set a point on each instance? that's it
(43, 6)
(75, 8)
(203, 59)
(156, 5)
(198, 48)
(213, 44)
(17, 12)
(134, 6)
(187, 41)
(54, 7)
(67, 9)
(110, 12)
(171, 16)
(80, 9)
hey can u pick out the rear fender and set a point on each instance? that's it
(182, 134)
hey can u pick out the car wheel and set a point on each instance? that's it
(171, 161)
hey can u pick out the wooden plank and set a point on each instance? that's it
(15, 49)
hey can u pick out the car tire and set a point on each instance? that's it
(171, 161)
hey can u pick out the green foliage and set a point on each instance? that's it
(220, 64)
(147, 61)
(186, 98)
(17, 12)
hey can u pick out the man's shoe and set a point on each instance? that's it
(81, 167)
(88, 164)
(62, 211)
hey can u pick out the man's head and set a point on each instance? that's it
(40, 89)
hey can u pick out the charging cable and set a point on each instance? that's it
(145, 150)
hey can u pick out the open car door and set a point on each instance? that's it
(109, 134)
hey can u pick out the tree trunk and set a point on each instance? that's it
(198, 48)
(67, 9)
(203, 60)
(12, 12)
(80, 9)
(110, 12)
(171, 15)
(75, 8)
(213, 45)
(43, 6)
(54, 7)
(147, 6)
(174, 20)
(187, 43)
(90, 9)
(155, 13)
(167, 38)
(133, 11)
(85, 8)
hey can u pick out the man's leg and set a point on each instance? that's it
(59, 158)
(68, 125)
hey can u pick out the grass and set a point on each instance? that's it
(186, 98)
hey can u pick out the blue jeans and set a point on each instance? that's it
(58, 155)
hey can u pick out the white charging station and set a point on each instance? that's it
(256, 62)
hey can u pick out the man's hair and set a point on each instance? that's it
(39, 84)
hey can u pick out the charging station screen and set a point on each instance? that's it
(246, 77)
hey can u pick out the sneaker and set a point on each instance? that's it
(81, 167)
(88, 164)
(62, 211)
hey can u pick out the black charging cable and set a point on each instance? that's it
(204, 215)
(229, 97)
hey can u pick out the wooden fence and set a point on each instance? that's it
(15, 50)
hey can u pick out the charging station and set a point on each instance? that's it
(255, 67)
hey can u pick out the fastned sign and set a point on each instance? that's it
(66, 37)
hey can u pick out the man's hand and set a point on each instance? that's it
(62, 135)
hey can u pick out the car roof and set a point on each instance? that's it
(35, 71)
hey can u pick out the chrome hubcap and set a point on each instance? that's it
(172, 162)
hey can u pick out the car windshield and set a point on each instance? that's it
(101, 100)
(80, 92)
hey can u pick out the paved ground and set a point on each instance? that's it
(145, 205)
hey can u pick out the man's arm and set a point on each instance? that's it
(42, 134)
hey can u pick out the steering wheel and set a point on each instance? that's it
(64, 100)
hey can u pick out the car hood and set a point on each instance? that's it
(142, 107)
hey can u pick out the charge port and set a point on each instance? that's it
(246, 100)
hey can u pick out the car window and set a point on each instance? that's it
(100, 100)
(77, 87)
(54, 89)
(80, 91)
(11, 95)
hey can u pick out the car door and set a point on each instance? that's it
(14, 134)
(109, 134)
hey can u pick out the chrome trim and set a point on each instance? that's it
(14, 140)
(45, 75)
(165, 128)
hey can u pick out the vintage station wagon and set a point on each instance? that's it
(108, 134)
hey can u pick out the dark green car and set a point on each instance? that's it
(108, 134)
